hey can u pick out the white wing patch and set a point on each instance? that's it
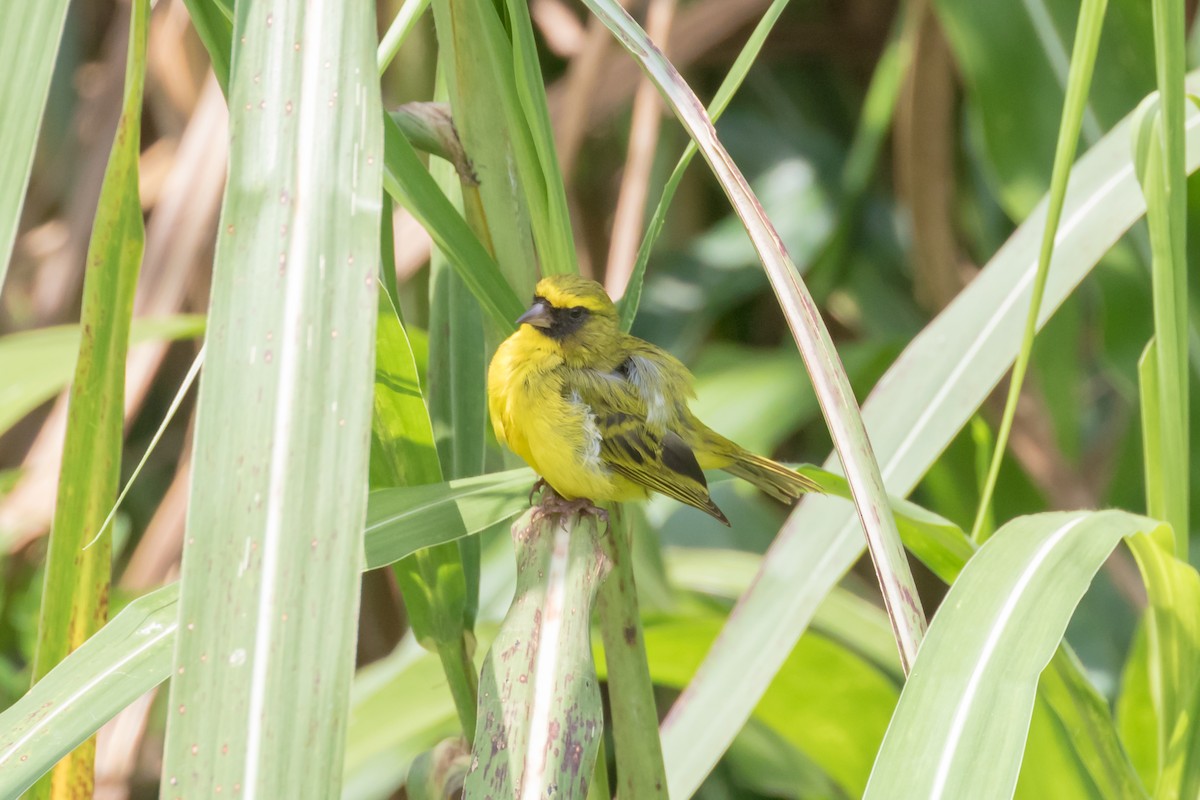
(591, 435)
(644, 375)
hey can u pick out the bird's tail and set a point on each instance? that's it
(784, 484)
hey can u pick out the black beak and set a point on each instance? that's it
(538, 315)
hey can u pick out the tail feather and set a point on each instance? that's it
(784, 484)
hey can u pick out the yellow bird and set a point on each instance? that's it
(603, 416)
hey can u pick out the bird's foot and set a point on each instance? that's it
(554, 504)
(537, 487)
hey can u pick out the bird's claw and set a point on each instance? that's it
(538, 486)
(553, 504)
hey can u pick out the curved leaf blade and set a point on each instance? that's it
(922, 402)
(978, 670)
(128, 657)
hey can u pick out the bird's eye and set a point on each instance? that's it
(577, 312)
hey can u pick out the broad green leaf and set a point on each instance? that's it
(1173, 637)
(270, 579)
(843, 616)
(831, 386)
(978, 669)
(37, 364)
(927, 396)
(1137, 719)
(401, 521)
(1073, 740)
(828, 703)
(431, 579)
(457, 386)
(29, 38)
(540, 716)
(128, 657)
(476, 60)
(75, 594)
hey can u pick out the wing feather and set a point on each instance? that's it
(635, 440)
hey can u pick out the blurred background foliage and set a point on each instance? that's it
(963, 159)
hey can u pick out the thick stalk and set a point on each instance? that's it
(640, 770)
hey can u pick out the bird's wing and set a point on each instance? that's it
(633, 417)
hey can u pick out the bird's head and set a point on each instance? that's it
(575, 313)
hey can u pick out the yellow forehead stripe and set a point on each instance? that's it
(567, 291)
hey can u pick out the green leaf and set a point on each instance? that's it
(75, 594)
(538, 159)
(431, 579)
(411, 185)
(930, 392)
(476, 59)
(214, 25)
(1083, 60)
(37, 364)
(30, 34)
(540, 716)
(1137, 719)
(125, 659)
(1173, 635)
(978, 670)
(270, 580)
(832, 388)
(1164, 376)
(628, 304)
(828, 703)
(401, 521)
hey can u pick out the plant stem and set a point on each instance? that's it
(640, 770)
(463, 681)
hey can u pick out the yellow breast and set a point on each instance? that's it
(538, 421)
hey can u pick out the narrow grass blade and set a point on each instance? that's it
(540, 714)
(1160, 149)
(29, 37)
(214, 25)
(37, 364)
(628, 304)
(127, 658)
(929, 393)
(550, 217)
(413, 187)
(1083, 60)
(270, 582)
(75, 594)
(824, 366)
(402, 25)
(978, 669)
(1154, 144)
